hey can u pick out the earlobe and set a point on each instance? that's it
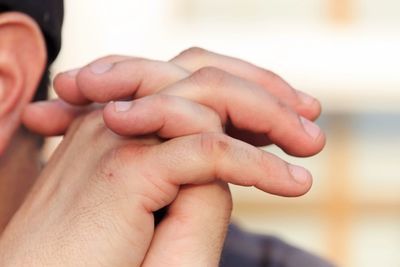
(22, 62)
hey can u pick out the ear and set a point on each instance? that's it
(23, 57)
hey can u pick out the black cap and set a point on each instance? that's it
(49, 16)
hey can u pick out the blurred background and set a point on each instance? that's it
(344, 52)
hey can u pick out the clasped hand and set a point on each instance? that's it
(185, 129)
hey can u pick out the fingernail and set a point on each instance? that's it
(122, 106)
(311, 128)
(305, 98)
(299, 174)
(73, 73)
(100, 68)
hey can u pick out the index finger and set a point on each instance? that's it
(196, 58)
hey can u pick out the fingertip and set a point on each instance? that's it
(305, 147)
(309, 141)
(299, 174)
(316, 136)
(297, 181)
(50, 118)
(117, 109)
(317, 108)
(312, 130)
(309, 107)
(36, 117)
(113, 116)
(122, 118)
(298, 190)
(317, 146)
(302, 177)
(65, 85)
(109, 112)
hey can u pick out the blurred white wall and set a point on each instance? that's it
(345, 52)
(295, 39)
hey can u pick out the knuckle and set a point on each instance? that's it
(160, 100)
(283, 108)
(271, 76)
(213, 145)
(209, 77)
(192, 52)
(139, 61)
(123, 154)
(109, 57)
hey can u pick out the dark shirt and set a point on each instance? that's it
(244, 249)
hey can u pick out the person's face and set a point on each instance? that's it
(22, 62)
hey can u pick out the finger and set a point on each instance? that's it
(203, 158)
(116, 78)
(193, 231)
(118, 83)
(65, 83)
(168, 116)
(114, 73)
(51, 118)
(234, 162)
(195, 58)
(198, 237)
(251, 108)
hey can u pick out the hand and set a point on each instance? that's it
(94, 202)
(243, 101)
(117, 119)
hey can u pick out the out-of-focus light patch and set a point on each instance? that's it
(349, 69)
(375, 157)
(354, 70)
(228, 11)
(371, 13)
(375, 240)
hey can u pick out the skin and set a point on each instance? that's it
(169, 112)
(127, 77)
(93, 203)
(118, 188)
(19, 152)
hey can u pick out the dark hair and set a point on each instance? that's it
(42, 90)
